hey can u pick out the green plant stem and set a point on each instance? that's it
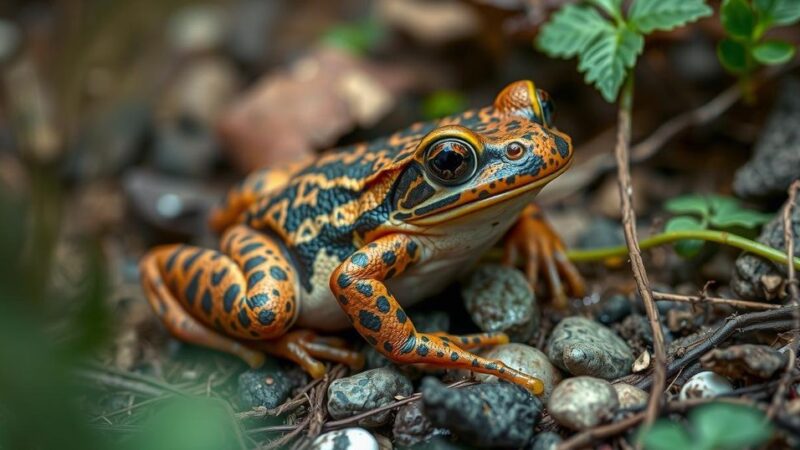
(667, 237)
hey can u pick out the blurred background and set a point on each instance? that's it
(122, 122)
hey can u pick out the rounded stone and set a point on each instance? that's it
(500, 298)
(346, 439)
(583, 402)
(630, 396)
(412, 426)
(367, 390)
(526, 359)
(584, 347)
(705, 385)
(545, 441)
(268, 386)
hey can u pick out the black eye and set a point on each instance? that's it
(451, 161)
(548, 108)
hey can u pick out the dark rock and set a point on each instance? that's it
(584, 347)
(268, 386)
(758, 279)
(776, 158)
(499, 298)
(411, 426)
(614, 309)
(484, 415)
(367, 390)
(545, 441)
(746, 361)
(635, 329)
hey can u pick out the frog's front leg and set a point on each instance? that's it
(542, 250)
(358, 284)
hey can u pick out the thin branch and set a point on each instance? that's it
(694, 299)
(637, 264)
(783, 386)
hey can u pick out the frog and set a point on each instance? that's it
(351, 237)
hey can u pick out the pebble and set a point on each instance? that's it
(500, 298)
(545, 441)
(268, 386)
(601, 232)
(614, 309)
(367, 390)
(583, 402)
(584, 347)
(630, 396)
(483, 415)
(197, 28)
(346, 439)
(705, 385)
(776, 157)
(746, 361)
(635, 330)
(412, 426)
(528, 360)
(758, 279)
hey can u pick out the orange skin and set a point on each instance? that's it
(350, 238)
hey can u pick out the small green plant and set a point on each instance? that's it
(356, 37)
(745, 22)
(714, 426)
(607, 47)
(701, 212)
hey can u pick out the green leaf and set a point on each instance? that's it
(649, 15)
(357, 38)
(778, 12)
(738, 18)
(732, 55)
(773, 52)
(606, 61)
(745, 218)
(571, 30)
(612, 7)
(725, 425)
(443, 103)
(690, 247)
(689, 204)
(665, 435)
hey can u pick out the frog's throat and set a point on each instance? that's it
(463, 210)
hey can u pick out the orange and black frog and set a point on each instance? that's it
(351, 238)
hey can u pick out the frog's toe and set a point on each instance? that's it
(353, 359)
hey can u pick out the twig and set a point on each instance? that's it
(637, 264)
(794, 298)
(663, 296)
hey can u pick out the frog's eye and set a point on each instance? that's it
(451, 161)
(548, 108)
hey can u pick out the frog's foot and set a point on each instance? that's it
(358, 284)
(307, 349)
(542, 250)
(471, 341)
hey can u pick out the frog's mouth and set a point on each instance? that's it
(452, 214)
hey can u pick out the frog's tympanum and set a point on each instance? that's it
(352, 237)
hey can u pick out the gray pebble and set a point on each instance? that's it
(614, 309)
(630, 396)
(499, 298)
(545, 441)
(584, 347)
(268, 386)
(583, 402)
(346, 439)
(484, 415)
(758, 279)
(367, 390)
(526, 359)
(776, 158)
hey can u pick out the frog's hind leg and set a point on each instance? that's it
(245, 292)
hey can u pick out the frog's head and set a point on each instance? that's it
(482, 159)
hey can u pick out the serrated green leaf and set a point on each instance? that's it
(690, 247)
(649, 15)
(666, 435)
(571, 30)
(773, 52)
(612, 7)
(607, 59)
(732, 55)
(689, 204)
(778, 12)
(725, 425)
(738, 18)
